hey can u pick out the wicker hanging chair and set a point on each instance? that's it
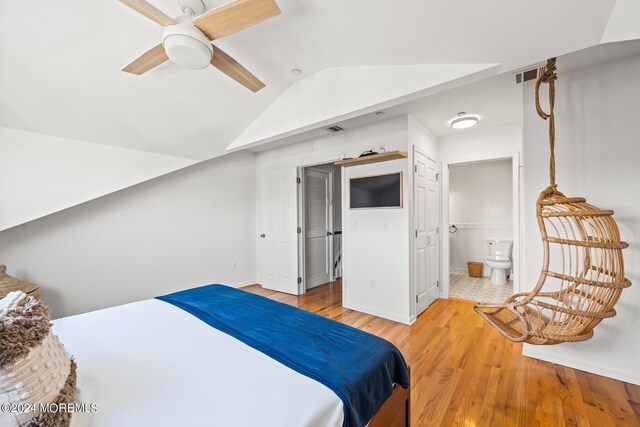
(583, 269)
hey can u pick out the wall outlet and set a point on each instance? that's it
(234, 265)
(372, 284)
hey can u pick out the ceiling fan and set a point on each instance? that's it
(186, 40)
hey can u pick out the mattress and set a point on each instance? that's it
(150, 363)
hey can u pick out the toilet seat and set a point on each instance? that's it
(499, 260)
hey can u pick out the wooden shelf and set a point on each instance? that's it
(382, 157)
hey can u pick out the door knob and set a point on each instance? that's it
(329, 233)
(263, 235)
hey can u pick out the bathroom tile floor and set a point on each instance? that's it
(478, 289)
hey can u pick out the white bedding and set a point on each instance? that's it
(152, 364)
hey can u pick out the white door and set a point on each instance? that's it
(318, 226)
(277, 243)
(426, 214)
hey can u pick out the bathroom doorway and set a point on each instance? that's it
(481, 203)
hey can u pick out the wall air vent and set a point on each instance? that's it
(335, 128)
(527, 75)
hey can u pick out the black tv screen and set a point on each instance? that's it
(380, 191)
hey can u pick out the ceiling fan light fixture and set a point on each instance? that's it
(464, 121)
(187, 47)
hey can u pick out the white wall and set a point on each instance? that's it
(481, 207)
(376, 250)
(42, 174)
(473, 146)
(470, 145)
(422, 138)
(184, 229)
(390, 134)
(598, 147)
(480, 193)
(391, 262)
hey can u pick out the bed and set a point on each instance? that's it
(153, 363)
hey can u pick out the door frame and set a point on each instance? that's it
(516, 202)
(302, 285)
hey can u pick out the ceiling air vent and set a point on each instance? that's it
(524, 76)
(335, 128)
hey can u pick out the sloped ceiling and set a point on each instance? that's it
(42, 174)
(624, 22)
(343, 92)
(61, 61)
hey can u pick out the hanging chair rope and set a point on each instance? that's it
(549, 77)
(583, 267)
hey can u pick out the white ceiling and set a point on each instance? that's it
(496, 100)
(60, 61)
(339, 93)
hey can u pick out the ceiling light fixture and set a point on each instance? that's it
(187, 46)
(463, 121)
(296, 71)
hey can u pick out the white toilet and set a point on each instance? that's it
(499, 260)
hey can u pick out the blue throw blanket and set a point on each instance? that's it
(359, 367)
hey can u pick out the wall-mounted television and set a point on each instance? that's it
(379, 191)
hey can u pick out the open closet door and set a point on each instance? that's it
(318, 235)
(277, 229)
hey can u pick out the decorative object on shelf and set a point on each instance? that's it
(373, 158)
(475, 269)
(583, 267)
(368, 153)
(9, 283)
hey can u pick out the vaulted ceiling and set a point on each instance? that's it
(60, 61)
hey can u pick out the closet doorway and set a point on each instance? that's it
(320, 233)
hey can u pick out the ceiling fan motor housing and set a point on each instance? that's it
(187, 46)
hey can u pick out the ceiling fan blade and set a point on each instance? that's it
(150, 11)
(235, 16)
(233, 69)
(151, 58)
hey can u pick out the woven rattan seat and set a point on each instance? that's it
(582, 274)
(583, 267)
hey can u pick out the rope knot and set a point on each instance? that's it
(549, 74)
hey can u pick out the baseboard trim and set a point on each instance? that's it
(536, 352)
(388, 316)
(245, 283)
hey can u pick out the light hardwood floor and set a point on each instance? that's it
(463, 373)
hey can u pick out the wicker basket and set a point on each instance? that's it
(8, 284)
(475, 269)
